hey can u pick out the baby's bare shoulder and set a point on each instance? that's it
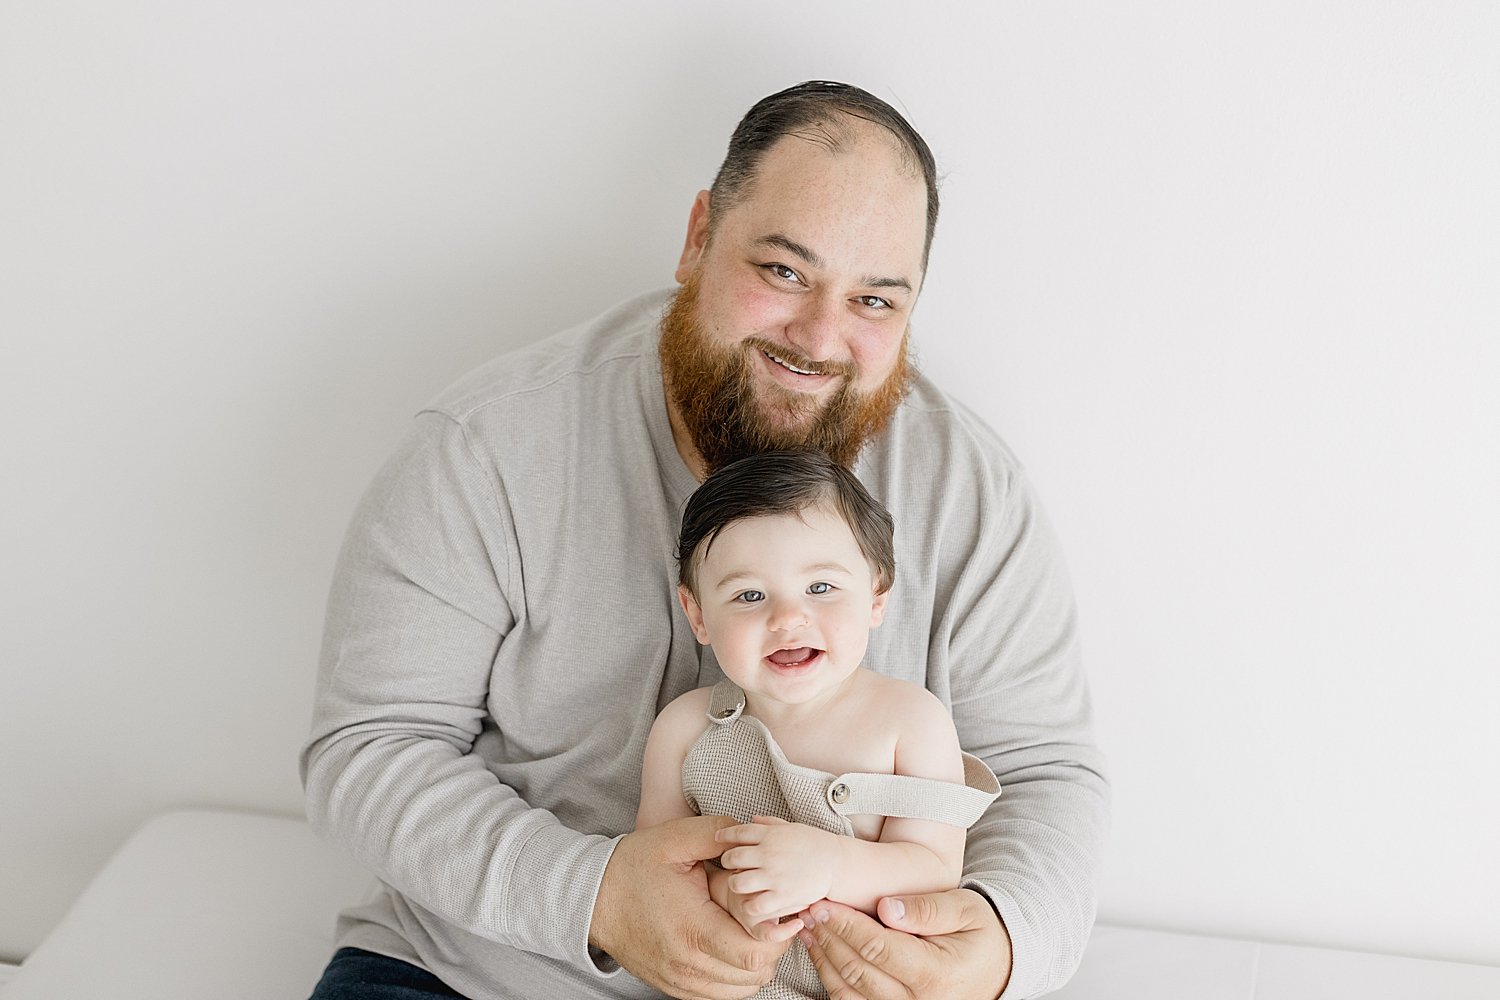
(894, 697)
(683, 718)
(690, 706)
(926, 742)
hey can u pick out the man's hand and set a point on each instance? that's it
(654, 916)
(960, 949)
(779, 867)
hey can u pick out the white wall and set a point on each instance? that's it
(1224, 275)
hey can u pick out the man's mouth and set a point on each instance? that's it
(791, 367)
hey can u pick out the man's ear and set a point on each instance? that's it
(693, 612)
(877, 608)
(697, 238)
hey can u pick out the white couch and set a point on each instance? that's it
(232, 905)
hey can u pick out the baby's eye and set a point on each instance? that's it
(749, 596)
(820, 588)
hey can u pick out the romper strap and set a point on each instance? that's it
(917, 798)
(726, 703)
(886, 794)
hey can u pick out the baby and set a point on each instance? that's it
(848, 785)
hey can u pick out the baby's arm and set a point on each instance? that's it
(786, 867)
(672, 735)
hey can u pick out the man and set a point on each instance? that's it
(502, 629)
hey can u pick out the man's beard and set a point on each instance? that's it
(714, 391)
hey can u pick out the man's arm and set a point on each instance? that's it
(1021, 703)
(416, 613)
(1004, 654)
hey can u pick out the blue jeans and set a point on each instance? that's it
(356, 974)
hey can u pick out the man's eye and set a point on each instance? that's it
(750, 596)
(873, 302)
(784, 273)
(820, 588)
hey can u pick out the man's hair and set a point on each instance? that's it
(785, 482)
(800, 110)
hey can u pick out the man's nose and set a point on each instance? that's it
(818, 328)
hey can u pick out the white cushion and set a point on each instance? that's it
(232, 905)
(200, 904)
(1129, 964)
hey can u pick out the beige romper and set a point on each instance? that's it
(736, 769)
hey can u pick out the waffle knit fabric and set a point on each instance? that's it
(737, 769)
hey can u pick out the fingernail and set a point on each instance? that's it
(898, 909)
(806, 938)
(807, 921)
(821, 916)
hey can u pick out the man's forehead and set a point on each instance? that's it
(843, 133)
(862, 197)
(817, 153)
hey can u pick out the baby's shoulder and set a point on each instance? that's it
(685, 716)
(690, 707)
(893, 697)
(913, 718)
(920, 728)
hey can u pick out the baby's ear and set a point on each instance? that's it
(877, 608)
(693, 612)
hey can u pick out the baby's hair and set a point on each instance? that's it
(785, 482)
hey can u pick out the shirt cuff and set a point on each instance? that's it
(554, 880)
(1026, 972)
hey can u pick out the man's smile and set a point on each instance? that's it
(791, 367)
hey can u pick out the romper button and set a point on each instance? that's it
(839, 793)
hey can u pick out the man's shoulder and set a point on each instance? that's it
(934, 437)
(615, 341)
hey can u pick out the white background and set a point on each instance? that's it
(1225, 275)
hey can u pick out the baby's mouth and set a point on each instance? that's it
(793, 657)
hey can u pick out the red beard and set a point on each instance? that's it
(714, 392)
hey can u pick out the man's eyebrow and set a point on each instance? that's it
(791, 246)
(901, 283)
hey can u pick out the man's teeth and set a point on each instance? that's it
(789, 366)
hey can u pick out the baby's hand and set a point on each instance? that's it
(779, 868)
(758, 927)
(734, 904)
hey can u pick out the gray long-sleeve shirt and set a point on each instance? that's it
(503, 629)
